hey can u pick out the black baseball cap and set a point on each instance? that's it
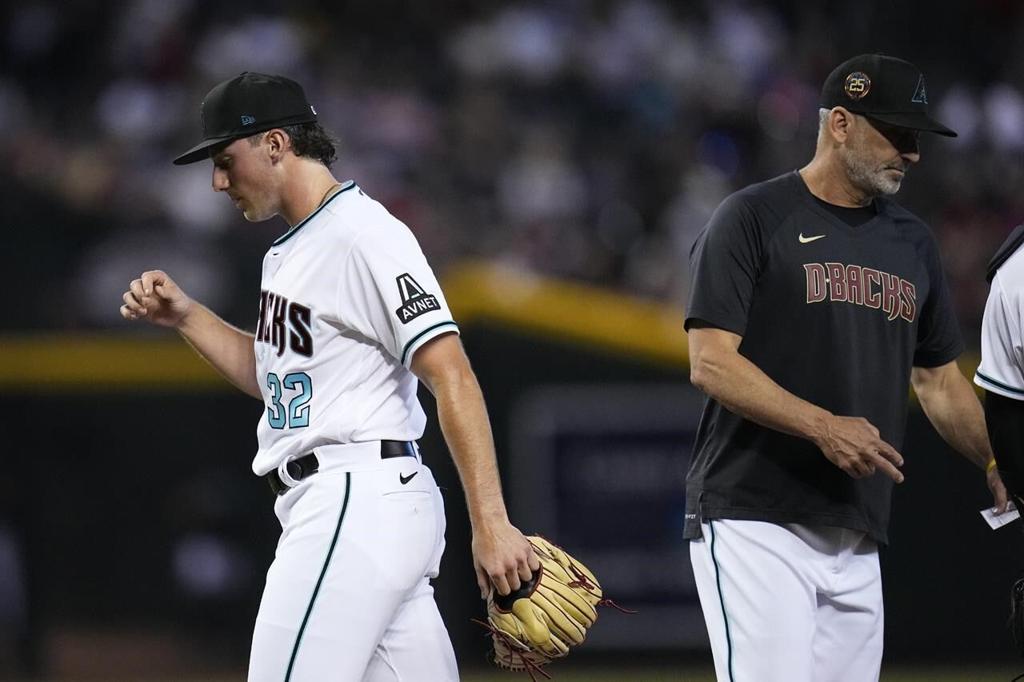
(884, 88)
(247, 104)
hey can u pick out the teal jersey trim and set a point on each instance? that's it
(320, 580)
(447, 323)
(346, 186)
(1000, 384)
(721, 600)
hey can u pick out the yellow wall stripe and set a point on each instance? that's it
(569, 311)
(42, 363)
(590, 317)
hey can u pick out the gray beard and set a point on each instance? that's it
(865, 177)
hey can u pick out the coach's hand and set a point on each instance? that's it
(854, 445)
(155, 297)
(503, 557)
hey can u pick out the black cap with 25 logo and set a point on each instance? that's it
(883, 88)
(247, 104)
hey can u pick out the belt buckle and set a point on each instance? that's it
(285, 476)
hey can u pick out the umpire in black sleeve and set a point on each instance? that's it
(1001, 372)
(816, 301)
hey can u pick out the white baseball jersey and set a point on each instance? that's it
(1002, 348)
(347, 298)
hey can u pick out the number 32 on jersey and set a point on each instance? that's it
(289, 400)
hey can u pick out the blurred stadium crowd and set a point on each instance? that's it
(585, 139)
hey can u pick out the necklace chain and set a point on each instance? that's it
(330, 189)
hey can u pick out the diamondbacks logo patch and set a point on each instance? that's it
(415, 301)
(920, 96)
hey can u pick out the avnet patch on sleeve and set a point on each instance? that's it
(415, 300)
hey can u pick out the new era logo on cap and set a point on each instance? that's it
(248, 120)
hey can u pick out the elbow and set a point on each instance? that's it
(701, 373)
(714, 359)
(697, 377)
(450, 380)
(711, 370)
(928, 391)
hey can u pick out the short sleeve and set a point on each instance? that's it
(725, 265)
(1002, 358)
(938, 333)
(389, 292)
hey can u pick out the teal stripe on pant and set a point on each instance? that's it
(320, 580)
(721, 600)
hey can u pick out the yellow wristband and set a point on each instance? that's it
(991, 465)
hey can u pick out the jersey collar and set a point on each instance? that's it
(347, 185)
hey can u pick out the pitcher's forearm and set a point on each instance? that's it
(228, 349)
(442, 365)
(467, 431)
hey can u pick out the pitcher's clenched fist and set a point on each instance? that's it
(155, 297)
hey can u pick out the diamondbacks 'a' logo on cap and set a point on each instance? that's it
(248, 120)
(857, 85)
(415, 301)
(920, 96)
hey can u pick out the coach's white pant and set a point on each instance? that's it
(347, 597)
(788, 602)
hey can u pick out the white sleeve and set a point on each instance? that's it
(1002, 357)
(390, 294)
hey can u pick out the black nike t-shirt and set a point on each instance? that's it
(834, 314)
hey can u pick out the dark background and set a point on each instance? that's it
(585, 141)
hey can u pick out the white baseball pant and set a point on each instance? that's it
(348, 597)
(789, 602)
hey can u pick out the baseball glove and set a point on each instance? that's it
(547, 615)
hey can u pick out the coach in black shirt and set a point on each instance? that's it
(815, 301)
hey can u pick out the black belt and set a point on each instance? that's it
(307, 465)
